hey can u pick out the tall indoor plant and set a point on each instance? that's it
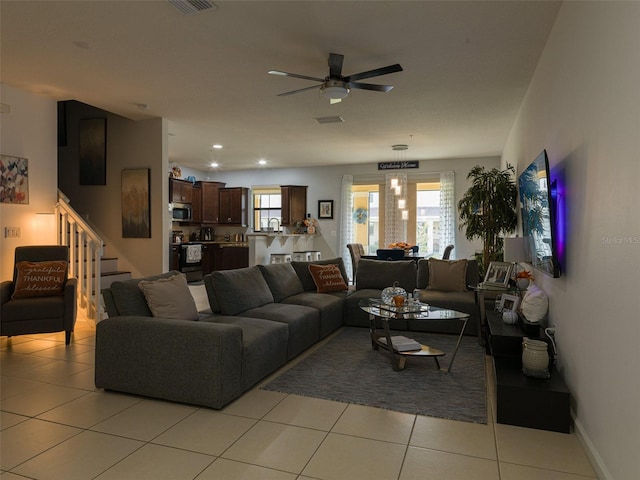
(488, 210)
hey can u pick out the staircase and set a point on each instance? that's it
(86, 263)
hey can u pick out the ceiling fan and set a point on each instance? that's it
(334, 86)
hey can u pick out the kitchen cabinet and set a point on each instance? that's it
(209, 252)
(233, 206)
(175, 257)
(294, 204)
(233, 257)
(180, 191)
(210, 201)
(196, 204)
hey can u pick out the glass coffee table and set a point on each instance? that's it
(382, 338)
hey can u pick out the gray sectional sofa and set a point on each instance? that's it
(260, 318)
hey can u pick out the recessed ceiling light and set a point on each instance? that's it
(217, 146)
(143, 107)
(262, 162)
(81, 44)
(214, 164)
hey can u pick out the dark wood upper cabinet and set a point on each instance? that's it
(294, 204)
(209, 203)
(180, 191)
(233, 206)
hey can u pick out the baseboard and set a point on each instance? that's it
(592, 453)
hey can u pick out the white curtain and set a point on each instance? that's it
(346, 227)
(447, 211)
(395, 227)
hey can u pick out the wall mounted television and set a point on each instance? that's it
(539, 215)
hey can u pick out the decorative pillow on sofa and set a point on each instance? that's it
(302, 270)
(39, 279)
(327, 278)
(240, 289)
(448, 275)
(282, 280)
(170, 297)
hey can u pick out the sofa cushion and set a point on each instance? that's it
(447, 275)
(170, 297)
(128, 299)
(423, 273)
(379, 274)
(302, 270)
(282, 280)
(241, 289)
(327, 278)
(39, 279)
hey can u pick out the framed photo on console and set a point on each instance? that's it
(498, 274)
(509, 303)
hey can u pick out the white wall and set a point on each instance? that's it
(29, 131)
(583, 106)
(325, 184)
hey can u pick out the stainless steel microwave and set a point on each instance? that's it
(182, 212)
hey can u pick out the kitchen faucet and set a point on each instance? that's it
(277, 223)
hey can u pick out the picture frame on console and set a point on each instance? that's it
(498, 274)
(509, 303)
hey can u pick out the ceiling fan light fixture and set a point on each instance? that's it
(334, 90)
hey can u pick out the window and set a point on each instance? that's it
(366, 216)
(428, 218)
(267, 205)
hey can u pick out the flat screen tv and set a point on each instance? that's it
(539, 215)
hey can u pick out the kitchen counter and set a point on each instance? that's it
(212, 242)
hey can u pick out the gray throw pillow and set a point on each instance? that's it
(129, 299)
(170, 297)
(241, 289)
(379, 274)
(448, 275)
(282, 280)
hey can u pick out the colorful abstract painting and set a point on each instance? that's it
(14, 180)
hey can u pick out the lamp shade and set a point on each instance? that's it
(514, 250)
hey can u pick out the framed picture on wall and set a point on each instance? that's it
(14, 179)
(92, 151)
(325, 209)
(136, 213)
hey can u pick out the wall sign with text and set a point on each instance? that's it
(398, 165)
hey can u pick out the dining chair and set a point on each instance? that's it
(447, 252)
(356, 250)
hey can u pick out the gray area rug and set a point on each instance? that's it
(347, 369)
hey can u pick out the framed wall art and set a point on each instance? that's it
(325, 209)
(136, 213)
(14, 180)
(92, 151)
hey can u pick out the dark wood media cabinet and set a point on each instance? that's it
(521, 400)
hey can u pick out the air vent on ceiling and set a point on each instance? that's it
(189, 7)
(331, 119)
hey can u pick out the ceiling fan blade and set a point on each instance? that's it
(335, 65)
(370, 86)
(295, 75)
(297, 91)
(374, 73)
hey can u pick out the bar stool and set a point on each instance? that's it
(313, 255)
(280, 257)
(300, 257)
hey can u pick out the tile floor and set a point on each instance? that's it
(56, 425)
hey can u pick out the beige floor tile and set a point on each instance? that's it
(10, 419)
(10, 386)
(145, 420)
(10, 341)
(35, 346)
(423, 463)
(81, 457)
(206, 431)
(58, 369)
(11, 476)
(40, 399)
(89, 410)
(230, 470)
(256, 403)
(84, 380)
(466, 438)
(281, 447)
(155, 462)
(509, 471)
(88, 357)
(30, 438)
(540, 448)
(18, 365)
(307, 412)
(342, 457)
(65, 352)
(376, 424)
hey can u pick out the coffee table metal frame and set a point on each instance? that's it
(377, 309)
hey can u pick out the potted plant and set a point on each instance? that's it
(488, 210)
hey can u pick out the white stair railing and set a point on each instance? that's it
(85, 249)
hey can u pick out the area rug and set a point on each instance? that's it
(347, 369)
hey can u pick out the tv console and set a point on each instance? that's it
(521, 400)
